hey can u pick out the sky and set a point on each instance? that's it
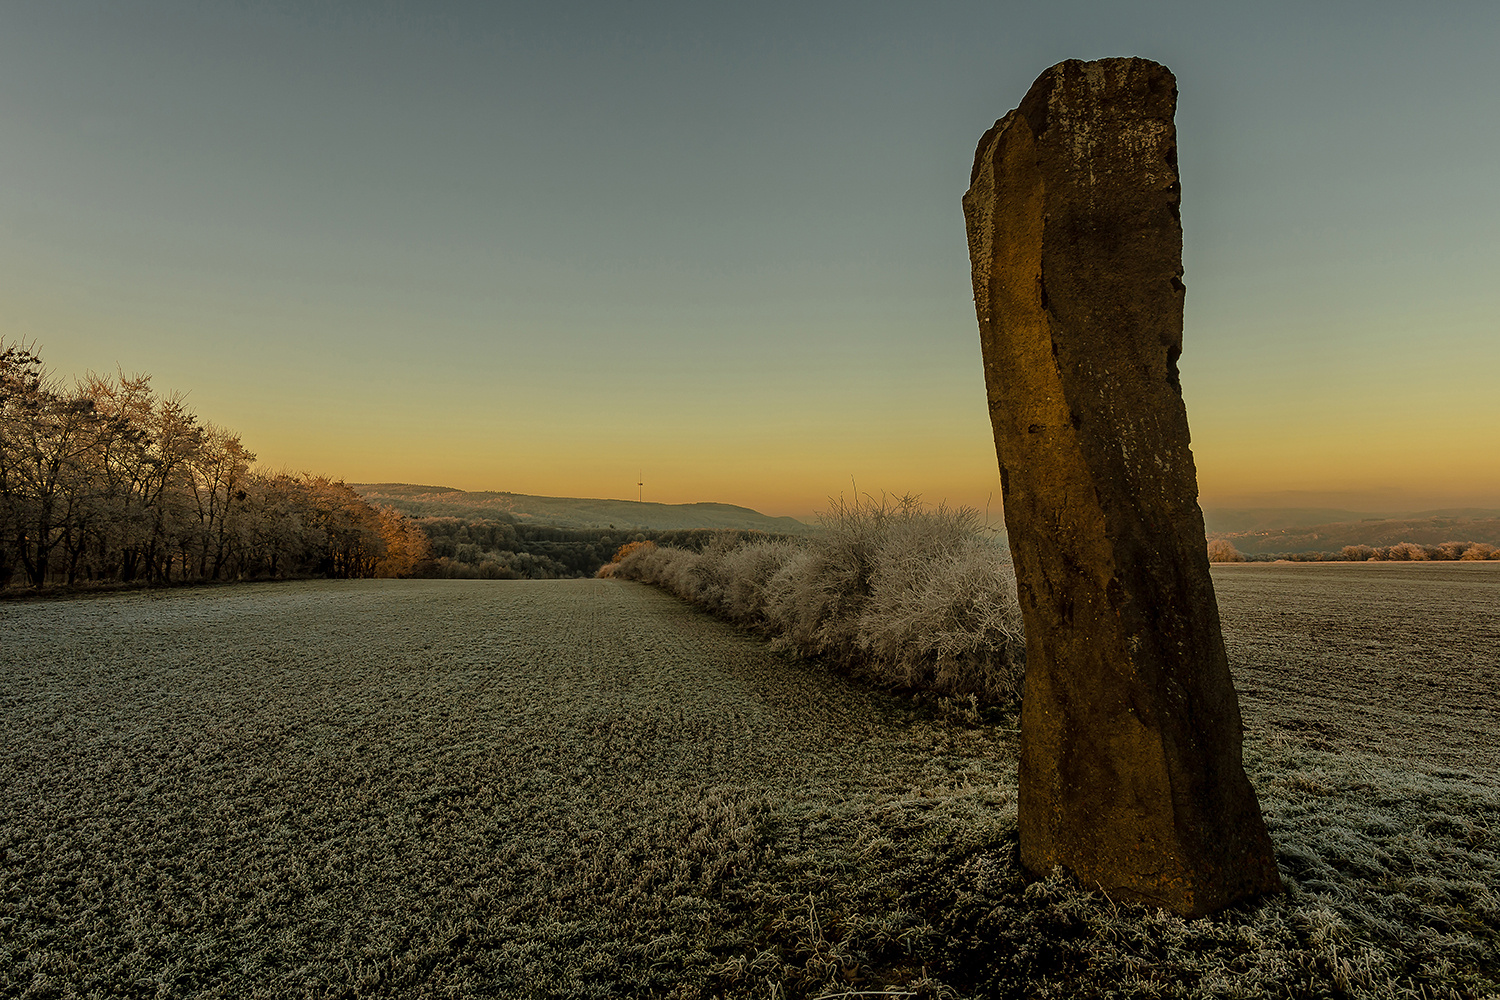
(565, 248)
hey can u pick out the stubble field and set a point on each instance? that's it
(587, 788)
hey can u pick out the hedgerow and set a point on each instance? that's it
(911, 597)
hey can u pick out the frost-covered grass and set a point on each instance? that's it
(591, 789)
(1391, 893)
(910, 597)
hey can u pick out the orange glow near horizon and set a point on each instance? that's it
(784, 442)
(1380, 467)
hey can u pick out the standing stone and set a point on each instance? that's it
(1130, 771)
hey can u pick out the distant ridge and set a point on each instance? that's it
(573, 512)
(1257, 532)
(1228, 520)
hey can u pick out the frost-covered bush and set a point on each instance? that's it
(1404, 552)
(916, 598)
(1412, 552)
(749, 572)
(1222, 550)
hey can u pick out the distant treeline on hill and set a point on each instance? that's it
(1361, 538)
(509, 536)
(103, 481)
(501, 548)
(573, 512)
(1223, 550)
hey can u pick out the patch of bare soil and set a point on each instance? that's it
(1399, 660)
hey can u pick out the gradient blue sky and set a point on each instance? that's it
(542, 247)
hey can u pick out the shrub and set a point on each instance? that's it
(629, 547)
(1411, 551)
(1222, 550)
(748, 571)
(1404, 551)
(914, 598)
(610, 568)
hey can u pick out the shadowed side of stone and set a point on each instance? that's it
(1131, 772)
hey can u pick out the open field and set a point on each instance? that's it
(586, 788)
(1395, 660)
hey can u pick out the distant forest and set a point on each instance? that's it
(575, 512)
(1223, 550)
(499, 547)
(474, 537)
(1466, 535)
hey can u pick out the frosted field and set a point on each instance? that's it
(587, 788)
(1401, 660)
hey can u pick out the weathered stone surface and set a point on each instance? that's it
(1130, 772)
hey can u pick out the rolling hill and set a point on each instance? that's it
(1258, 533)
(572, 512)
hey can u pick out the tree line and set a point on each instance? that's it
(1223, 550)
(502, 547)
(105, 481)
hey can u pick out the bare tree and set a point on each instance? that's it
(46, 435)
